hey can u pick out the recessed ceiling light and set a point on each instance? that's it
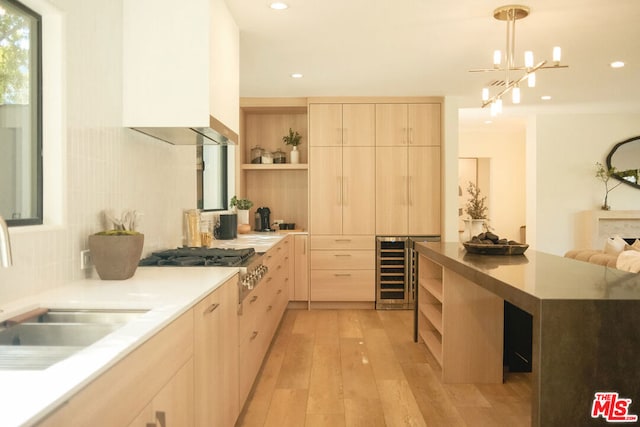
(278, 5)
(617, 64)
(545, 97)
(296, 75)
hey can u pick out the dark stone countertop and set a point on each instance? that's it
(529, 279)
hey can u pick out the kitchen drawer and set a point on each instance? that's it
(252, 352)
(335, 260)
(277, 254)
(342, 242)
(343, 285)
(253, 307)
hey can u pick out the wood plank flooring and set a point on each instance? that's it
(361, 368)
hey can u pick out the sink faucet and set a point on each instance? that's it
(5, 245)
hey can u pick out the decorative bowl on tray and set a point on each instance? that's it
(495, 249)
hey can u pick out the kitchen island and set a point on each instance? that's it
(586, 326)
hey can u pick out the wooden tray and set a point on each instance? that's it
(488, 249)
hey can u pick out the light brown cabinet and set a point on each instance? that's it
(173, 405)
(216, 357)
(408, 124)
(342, 184)
(408, 190)
(335, 125)
(342, 268)
(457, 317)
(260, 314)
(299, 287)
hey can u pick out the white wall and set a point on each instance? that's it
(506, 196)
(567, 146)
(102, 164)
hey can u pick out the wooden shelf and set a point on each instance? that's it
(434, 287)
(433, 313)
(274, 166)
(433, 343)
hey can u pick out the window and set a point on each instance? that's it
(213, 172)
(20, 114)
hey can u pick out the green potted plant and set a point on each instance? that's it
(604, 174)
(242, 207)
(116, 252)
(293, 139)
(477, 211)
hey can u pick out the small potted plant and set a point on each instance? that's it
(476, 210)
(293, 139)
(116, 251)
(242, 207)
(604, 174)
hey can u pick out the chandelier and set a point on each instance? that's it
(514, 74)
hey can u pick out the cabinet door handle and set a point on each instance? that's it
(253, 335)
(211, 308)
(342, 275)
(410, 135)
(404, 136)
(253, 299)
(304, 246)
(345, 140)
(339, 192)
(162, 418)
(406, 187)
(345, 191)
(409, 178)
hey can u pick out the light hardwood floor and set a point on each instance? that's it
(361, 368)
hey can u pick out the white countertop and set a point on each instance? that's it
(261, 242)
(167, 292)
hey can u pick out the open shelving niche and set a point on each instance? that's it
(430, 300)
(282, 187)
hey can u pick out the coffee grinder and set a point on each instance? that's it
(262, 219)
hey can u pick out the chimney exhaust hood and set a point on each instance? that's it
(216, 134)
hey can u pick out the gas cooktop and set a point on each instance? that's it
(210, 257)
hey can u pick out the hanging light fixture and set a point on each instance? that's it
(514, 74)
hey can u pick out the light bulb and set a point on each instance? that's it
(531, 80)
(528, 59)
(515, 95)
(497, 58)
(485, 93)
(557, 54)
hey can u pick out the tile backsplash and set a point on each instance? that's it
(106, 168)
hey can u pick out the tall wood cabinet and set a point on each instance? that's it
(408, 182)
(342, 169)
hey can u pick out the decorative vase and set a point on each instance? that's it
(472, 227)
(243, 216)
(116, 257)
(295, 155)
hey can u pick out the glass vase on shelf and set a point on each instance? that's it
(295, 155)
(279, 157)
(256, 154)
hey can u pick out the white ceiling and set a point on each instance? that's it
(426, 47)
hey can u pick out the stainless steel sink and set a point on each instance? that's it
(47, 338)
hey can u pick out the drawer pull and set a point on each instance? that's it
(342, 255)
(343, 240)
(269, 279)
(269, 308)
(253, 299)
(279, 292)
(279, 267)
(342, 274)
(253, 335)
(162, 418)
(268, 257)
(211, 308)
(279, 248)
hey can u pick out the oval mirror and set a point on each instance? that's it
(625, 157)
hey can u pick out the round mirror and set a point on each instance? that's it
(625, 157)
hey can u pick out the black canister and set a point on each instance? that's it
(227, 228)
